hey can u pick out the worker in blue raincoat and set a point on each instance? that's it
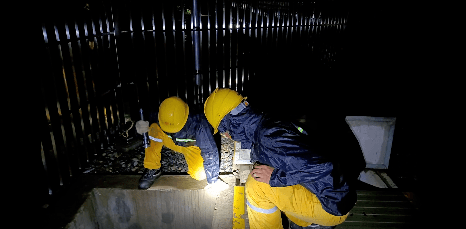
(292, 172)
(184, 132)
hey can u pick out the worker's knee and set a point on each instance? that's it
(259, 194)
(262, 212)
(260, 220)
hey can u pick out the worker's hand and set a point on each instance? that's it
(262, 173)
(142, 127)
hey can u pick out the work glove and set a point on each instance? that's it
(216, 186)
(142, 127)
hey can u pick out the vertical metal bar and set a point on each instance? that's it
(202, 35)
(196, 29)
(145, 136)
(219, 43)
(76, 110)
(57, 123)
(175, 56)
(144, 50)
(216, 53)
(261, 15)
(94, 45)
(228, 57)
(111, 27)
(82, 85)
(52, 140)
(197, 59)
(223, 28)
(108, 53)
(66, 115)
(90, 89)
(266, 25)
(85, 108)
(233, 46)
(44, 164)
(209, 56)
(165, 59)
(187, 78)
(251, 26)
(213, 46)
(274, 27)
(156, 83)
(241, 38)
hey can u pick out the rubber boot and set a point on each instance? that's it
(148, 178)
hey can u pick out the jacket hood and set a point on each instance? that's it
(242, 127)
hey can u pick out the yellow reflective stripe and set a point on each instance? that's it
(238, 208)
(182, 139)
(262, 210)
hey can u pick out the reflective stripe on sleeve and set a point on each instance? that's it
(261, 210)
(155, 139)
(184, 140)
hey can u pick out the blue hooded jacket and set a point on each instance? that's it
(198, 128)
(296, 157)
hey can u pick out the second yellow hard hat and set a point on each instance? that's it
(221, 102)
(173, 114)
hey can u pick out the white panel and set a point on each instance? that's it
(375, 137)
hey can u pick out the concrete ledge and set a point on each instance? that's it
(178, 182)
(114, 201)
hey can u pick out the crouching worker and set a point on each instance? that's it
(189, 134)
(290, 174)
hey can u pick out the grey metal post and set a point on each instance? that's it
(196, 29)
(146, 135)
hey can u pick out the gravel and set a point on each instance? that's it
(226, 154)
(116, 161)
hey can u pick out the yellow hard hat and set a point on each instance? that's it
(219, 104)
(173, 114)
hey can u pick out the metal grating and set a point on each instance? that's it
(382, 209)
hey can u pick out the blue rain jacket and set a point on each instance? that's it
(198, 128)
(295, 156)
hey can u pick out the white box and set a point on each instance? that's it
(375, 136)
(241, 156)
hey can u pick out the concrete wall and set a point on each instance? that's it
(172, 202)
(120, 208)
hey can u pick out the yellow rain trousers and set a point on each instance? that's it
(192, 154)
(301, 206)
